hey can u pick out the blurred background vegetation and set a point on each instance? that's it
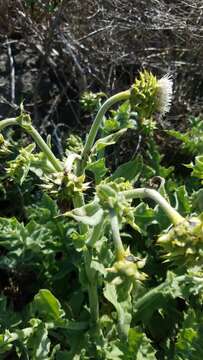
(53, 50)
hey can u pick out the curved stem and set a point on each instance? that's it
(142, 193)
(124, 95)
(7, 122)
(92, 287)
(36, 137)
(120, 252)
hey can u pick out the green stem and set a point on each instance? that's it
(7, 122)
(120, 252)
(150, 299)
(95, 235)
(124, 95)
(142, 193)
(36, 137)
(78, 201)
(92, 289)
(44, 147)
(94, 304)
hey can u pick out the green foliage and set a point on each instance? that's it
(121, 118)
(90, 101)
(139, 346)
(90, 267)
(192, 140)
(19, 168)
(48, 6)
(130, 170)
(189, 339)
(197, 167)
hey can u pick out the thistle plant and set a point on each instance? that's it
(100, 213)
(147, 96)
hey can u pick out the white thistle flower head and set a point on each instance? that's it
(164, 94)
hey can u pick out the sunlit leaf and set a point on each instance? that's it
(130, 170)
(47, 306)
(108, 140)
(98, 168)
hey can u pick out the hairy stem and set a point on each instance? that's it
(124, 95)
(142, 193)
(116, 235)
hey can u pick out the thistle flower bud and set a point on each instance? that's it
(150, 96)
(64, 184)
(110, 195)
(129, 266)
(183, 244)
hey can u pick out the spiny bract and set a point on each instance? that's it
(150, 95)
(183, 244)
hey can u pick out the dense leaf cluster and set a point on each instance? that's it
(98, 280)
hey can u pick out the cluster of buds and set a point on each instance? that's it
(183, 244)
(65, 183)
(91, 101)
(128, 266)
(110, 195)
